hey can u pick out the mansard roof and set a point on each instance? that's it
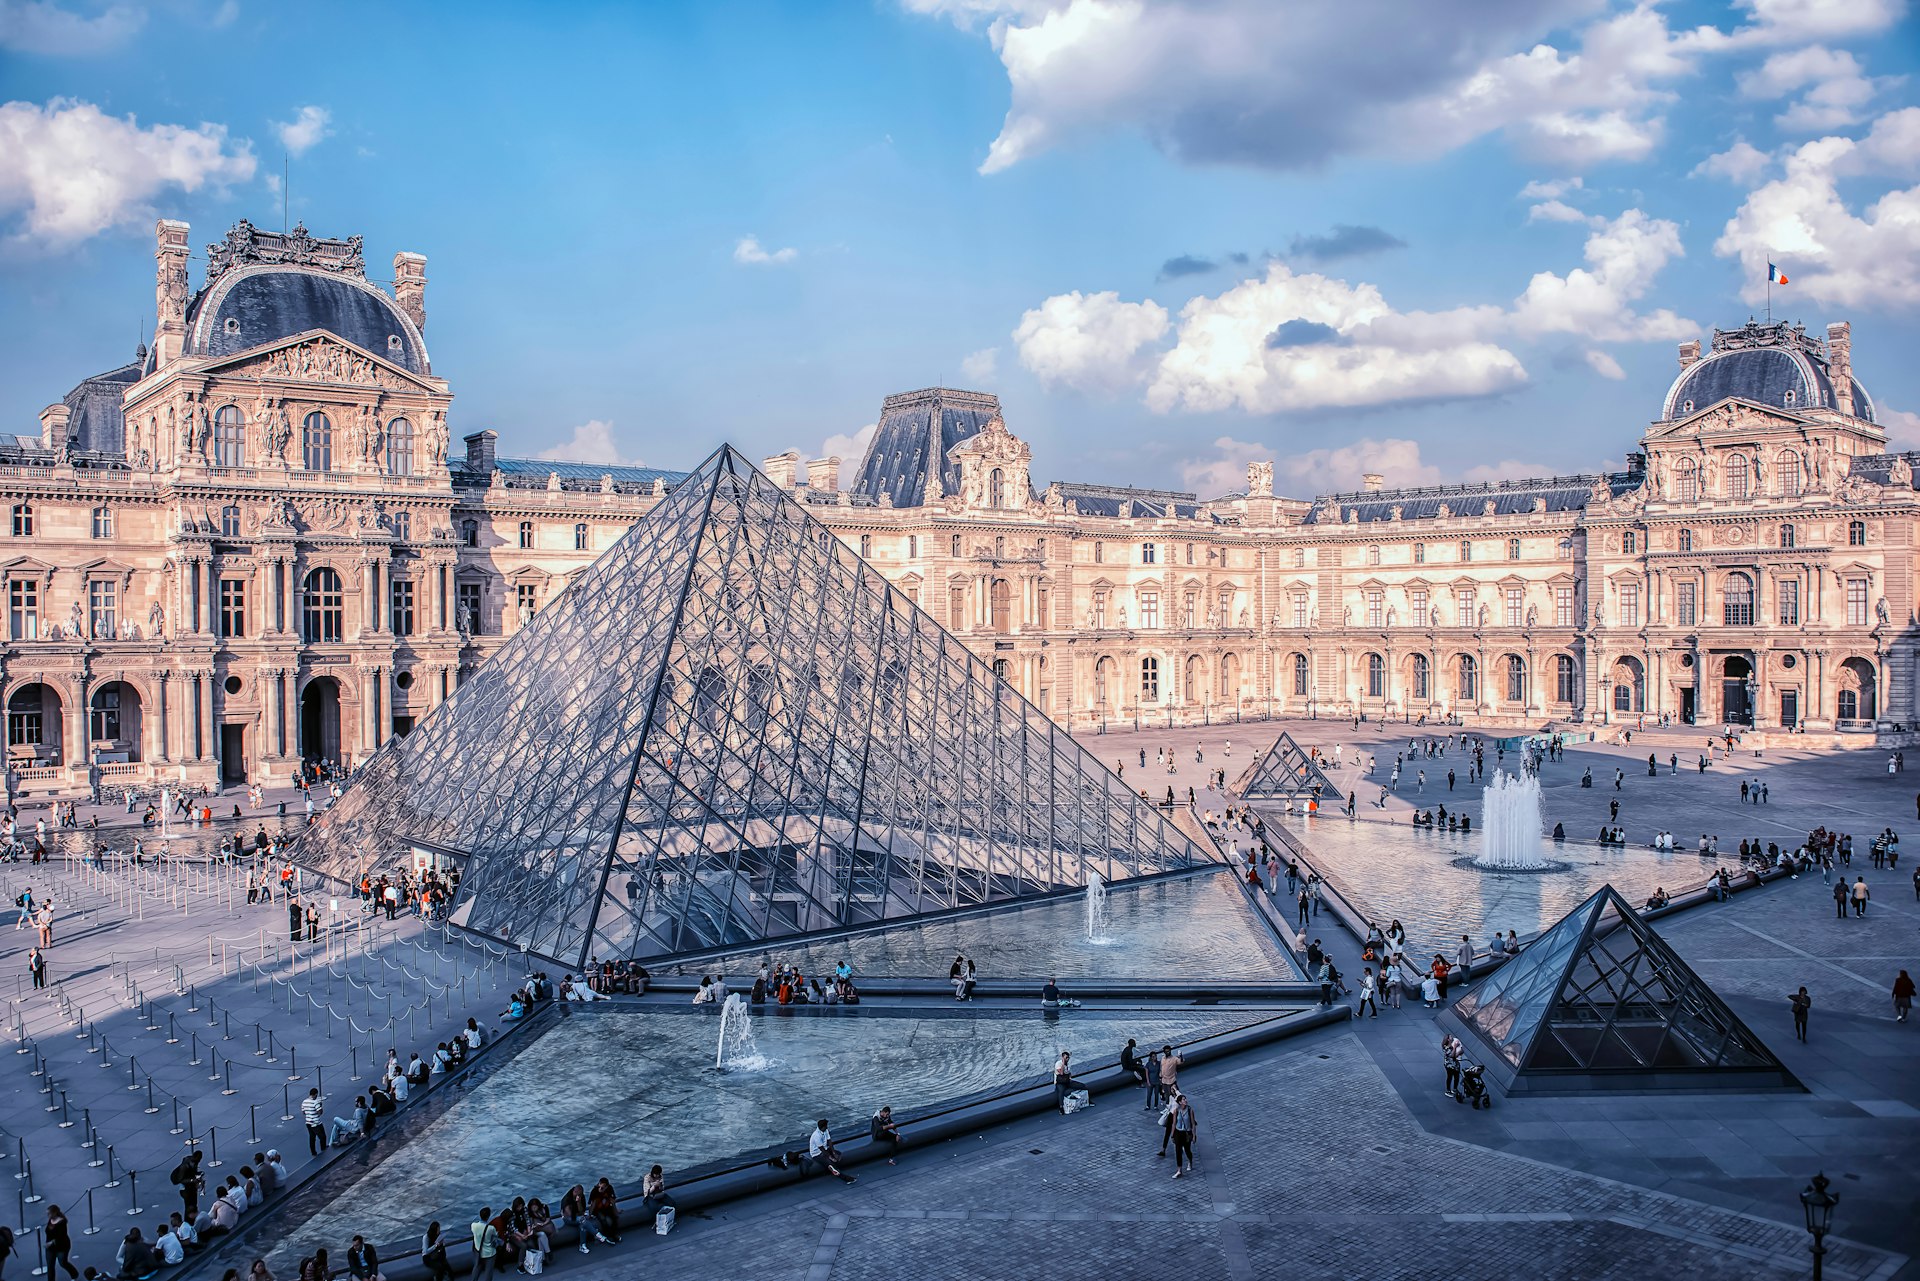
(1878, 468)
(1777, 365)
(532, 473)
(97, 423)
(1509, 498)
(1124, 500)
(908, 460)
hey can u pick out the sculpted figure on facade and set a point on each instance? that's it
(1260, 480)
(157, 620)
(1901, 471)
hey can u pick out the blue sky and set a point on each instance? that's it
(1436, 242)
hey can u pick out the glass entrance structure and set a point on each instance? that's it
(1286, 772)
(732, 729)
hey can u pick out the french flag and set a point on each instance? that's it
(1775, 276)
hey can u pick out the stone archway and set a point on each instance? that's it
(114, 722)
(36, 725)
(1857, 695)
(320, 720)
(1736, 690)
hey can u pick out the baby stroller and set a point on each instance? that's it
(1473, 1085)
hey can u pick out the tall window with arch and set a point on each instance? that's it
(1739, 475)
(1564, 679)
(1789, 468)
(580, 542)
(996, 488)
(230, 521)
(403, 527)
(1513, 549)
(1422, 678)
(1787, 535)
(1299, 675)
(103, 522)
(1686, 540)
(1466, 550)
(470, 532)
(316, 442)
(1376, 676)
(229, 437)
(1516, 679)
(1856, 532)
(23, 520)
(400, 447)
(1630, 543)
(866, 546)
(1686, 481)
(1737, 601)
(954, 549)
(1373, 555)
(1468, 687)
(1149, 679)
(322, 607)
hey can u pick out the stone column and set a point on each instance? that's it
(370, 713)
(370, 587)
(161, 680)
(76, 727)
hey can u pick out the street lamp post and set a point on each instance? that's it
(1818, 1203)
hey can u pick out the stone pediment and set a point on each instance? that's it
(1733, 417)
(318, 356)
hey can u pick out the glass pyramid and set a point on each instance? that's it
(1287, 771)
(1600, 994)
(731, 729)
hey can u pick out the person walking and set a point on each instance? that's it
(1184, 1126)
(59, 1242)
(1452, 1051)
(486, 1241)
(1801, 1003)
(1840, 898)
(1860, 896)
(1902, 1002)
(1366, 1005)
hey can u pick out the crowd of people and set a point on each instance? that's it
(783, 984)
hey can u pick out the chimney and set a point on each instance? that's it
(1689, 352)
(169, 290)
(480, 450)
(53, 426)
(1840, 365)
(823, 474)
(782, 469)
(410, 287)
(1372, 481)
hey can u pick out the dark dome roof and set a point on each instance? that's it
(1779, 377)
(252, 306)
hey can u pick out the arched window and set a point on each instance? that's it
(1373, 555)
(1630, 543)
(1564, 549)
(1422, 677)
(1738, 475)
(866, 546)
(230, 521)
(996, 488)
(1686, 540)
(316, 443)
(403, 527)
(229, 437)
(1469, 687)
(1787, 536)
(400, 447)
(1789, 466)
(1563, 679)
(103, 522)
(1149, 679)
(470, 532)
(1516, 679)
(23, 520)
(1686, 481)
(1299, 675)
(1737, 593)
(1513, 549)
(322, 607)
(526, 534)
(1466, 550)
(1856, 529)
(1376, 676)
(580, 537)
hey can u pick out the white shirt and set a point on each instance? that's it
(170, 1248)
(819, 1142)
(1366, 987)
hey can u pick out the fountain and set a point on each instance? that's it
(1096, 909)
(736, 1051)
(1510, 824)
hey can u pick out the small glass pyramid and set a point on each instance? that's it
(1286, 771)
(731, 729)
(1600, 994)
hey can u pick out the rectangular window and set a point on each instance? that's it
(526, 533)
(1516, 606)
(1466, 551)
(102, 617)
(1149, 679)
(1630, 543)
(1099, 608)
(1189, 553)
(23, 608)
(233, 607)
(1376, 608)
(580, 538)
(525, 599)
(956, 546)
(1419, 553)
(1563, 607)
(1299, 609)
(400, 607)
(1686, 604)
(104, 724)
(1046, 598)
(1099, 553)
(1149, 609)
(1147, 553)
(1465, 605)
(103, 522)
(468, 602)
(1629, 605)
(1418, 598)
(1856, 602)
(1789, 594)
(913, 546)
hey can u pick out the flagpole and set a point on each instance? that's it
(1769, 286)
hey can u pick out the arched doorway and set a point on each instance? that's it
(34, 724)
(113, 723)
(1857, 699)
(1629, 687)
(1106, 686)
(1195, 686)
(320, 720)
(1230, 680)
(1736, 691)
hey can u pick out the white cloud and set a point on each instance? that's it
(1091, 342)
(1555, 211)
(1210, 81)
(751, 253)
(71, 171)
(1333, 468)
(591, 442)
(980, 366)
(1837, 91)
(226, 15)
(849, 450)
(1902, 427)
(1838, 256)
(1742, 162)
(1623, 257)
(304, 132)
(1551, 189)
(43, 27)
(1605, 365)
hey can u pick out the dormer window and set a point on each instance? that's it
(233, 324)
(1686, 407)
(393, 342)
(1789, 396)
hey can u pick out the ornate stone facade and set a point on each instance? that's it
(270, 552)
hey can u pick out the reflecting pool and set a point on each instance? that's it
(1196, 927)
(610, 1092)
(1394, 871)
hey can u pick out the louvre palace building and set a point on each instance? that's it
(254, 544)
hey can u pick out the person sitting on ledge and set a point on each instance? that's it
(705, 995)
(345, 1128)
(1559, 832)
(1466, 822)
(881, 1130)
(1658, 899)
(1512, 946)
(1050, 996)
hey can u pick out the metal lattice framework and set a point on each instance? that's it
(1285, 772)
(1600, 994)
(732, 729)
